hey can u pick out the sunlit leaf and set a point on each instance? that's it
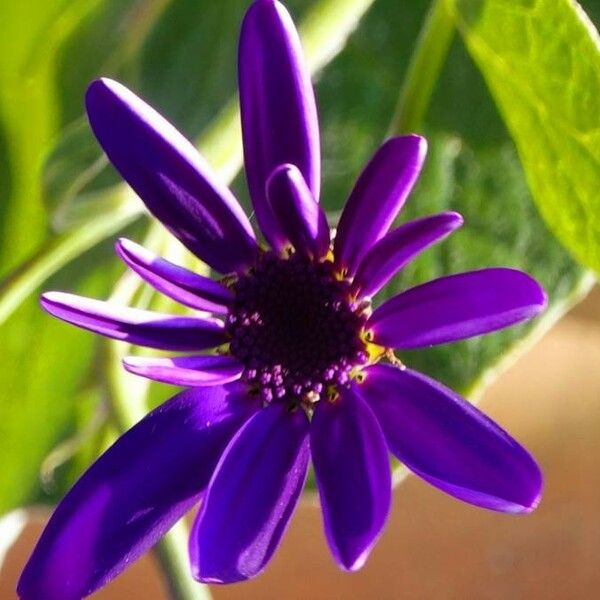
(541, 61)
(43, 366)
(472, 168)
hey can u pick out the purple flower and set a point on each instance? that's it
(303, 368)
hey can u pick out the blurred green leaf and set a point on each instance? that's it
(107, 41)
(502, 227)
(48, 366)
(472, 168)
(541, 61)
(40, 372)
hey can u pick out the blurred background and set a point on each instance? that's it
(62, 206)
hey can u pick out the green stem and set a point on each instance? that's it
(57, 252)
(127, 397)
(171, 553)
(424, 69)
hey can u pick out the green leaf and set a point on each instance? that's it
(107, 41)
(502, 227)
(49, 368)
(472, 167)
(541, 61)
(44, 366)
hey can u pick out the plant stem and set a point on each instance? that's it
(425, 65)
(127, 396)
(171, 553)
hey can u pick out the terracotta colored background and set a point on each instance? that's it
(436, 547)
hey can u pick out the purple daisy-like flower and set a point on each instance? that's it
(303, 368)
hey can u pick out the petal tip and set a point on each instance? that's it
(127, 249)
(455, 219)
(529, 500)
(261, 13)
(538, 489)
(538, 295)
(131, 364)
(48, 300)
(533, 506)
(213, 579)
(124, 242)
(355, 564)
(98, 90)
(519, 508)
(95, 86)
(413, 142)
(284, 170)
(103, 84)
(264, 5)
(121, 247)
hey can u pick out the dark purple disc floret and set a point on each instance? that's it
(295, 328)
(285, 360)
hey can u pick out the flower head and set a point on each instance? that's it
(302, 365)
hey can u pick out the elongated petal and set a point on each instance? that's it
(353, 475)
(279, 115)
(183, 286)
(377, 198)
(186, 370)
(174, 181)
(251, 497)
(457, 307)
(300, 217)
(142, 327)
(134, 493)
(398, 247)
(448, 442)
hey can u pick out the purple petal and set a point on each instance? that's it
(449, 443)
(174, 181)
(134, 493)
(279, 115)
(457, 307)
(397, 248)
(300, 217)
(183, 286)
(351, 464)
(186, 370)
(142, 327)
(377, 197)
(251, 497)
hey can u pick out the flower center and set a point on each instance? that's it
(295, 329)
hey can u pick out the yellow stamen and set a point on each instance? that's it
(389, 354)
